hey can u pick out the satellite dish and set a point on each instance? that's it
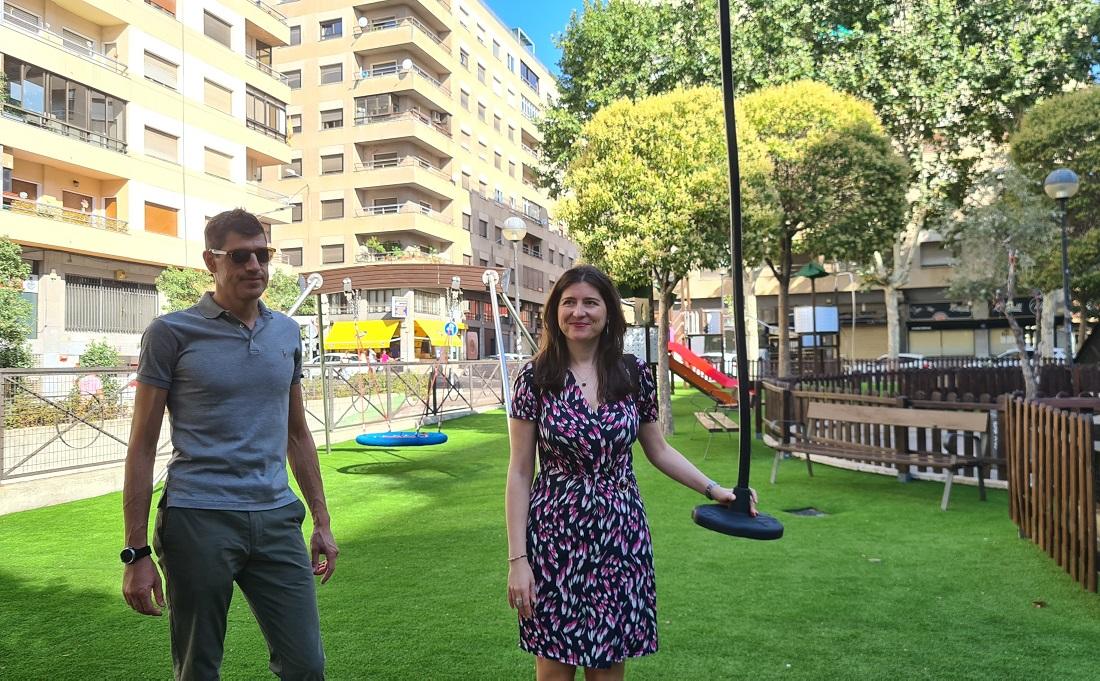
(363, 22)
(407, 64)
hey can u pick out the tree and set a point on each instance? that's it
(282, 291)
(997, 235)
(837, 187)
(1063, 131)
(15, 311)
(183, 287)
(100, 354)
(647, 197)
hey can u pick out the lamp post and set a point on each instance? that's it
(454, 297)
(1060, 185)
(514, 230)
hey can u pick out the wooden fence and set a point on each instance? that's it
(1054, 379)
(1052, 464)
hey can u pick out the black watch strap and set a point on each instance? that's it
(131, 555)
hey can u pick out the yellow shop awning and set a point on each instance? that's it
(366, 334)
(432, 329)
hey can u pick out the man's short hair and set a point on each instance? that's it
(237, 220)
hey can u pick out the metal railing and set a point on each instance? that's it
(406, 207)
(260, 127)
(369, 256)
(271, 11)
(394, 70)
(42, 120)
(57, 420)
(162, 10)
(408, 22)
(59, 213)
(264, 68)
(365, 119)
(529, 150)
(533, 252)
(402, 161)
(59, 41)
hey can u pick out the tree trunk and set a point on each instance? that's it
(665, 294)
(1047, 329)
(1031, 387)
(752, 317)
(891, 297)
(784, 369)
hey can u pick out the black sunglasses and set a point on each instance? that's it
(241, 255)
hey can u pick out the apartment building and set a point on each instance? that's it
(125, 125)
(413, 132)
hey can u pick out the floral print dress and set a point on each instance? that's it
(588, 541)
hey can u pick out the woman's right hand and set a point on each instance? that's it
(521, 587)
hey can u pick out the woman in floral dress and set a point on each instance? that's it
(579, 553)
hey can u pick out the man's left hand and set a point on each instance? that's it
(323, 543)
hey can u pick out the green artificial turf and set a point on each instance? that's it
(885, 587)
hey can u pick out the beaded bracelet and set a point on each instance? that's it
(710, 486)
(515, 558)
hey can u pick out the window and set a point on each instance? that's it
(483, 228)
(467, 260)
(217, 163)
(31, 88)
(21, 17)
(160, 70)
(511, 168)
(497, 159)
(333, 209)
(161, 145)
(295, 35)
(216, 96)
(375, 105)
(385, 159)
(465, 140)
(464, 98)
(496, 49)
(529, 76)
(333, 118)
(265, 113)
(466, 222)
(161, 219)
(483, 188)
(295, 122)
(496, 123)
(465, 180)
(333, 163)
(482, 262)
(77, 202)
(499, 196)
(481, 73)
(464, 59)
(333, 28)
(108, 306)
(293, 169)
(481, 112)
(332, 73)
(294, 79)
(511, 63)
(332, 254)
(217, 29)
(511, 134)
(296, 216)
(293, 256)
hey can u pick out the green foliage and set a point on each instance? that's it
(14, 310)
(375, 245)
(100, 354)
(282, 291)
(183, 287)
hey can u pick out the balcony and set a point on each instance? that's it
(409, 170)
(408, 33)
(399, 208)
(264, 68)
(58, 213)
(366, 256)
(408, 125)
(270, 11)
(533, 251)
(56, 40)
(46, 122)
(530, 150)
(392, 79)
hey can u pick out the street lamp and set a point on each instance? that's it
(514, 230)
(1060, 185)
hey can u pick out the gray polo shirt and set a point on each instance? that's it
(228, 398)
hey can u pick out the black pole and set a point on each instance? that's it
(1067, 302)
(736, 260)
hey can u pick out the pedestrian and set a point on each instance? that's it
(580, 559)
(385, 356)
(228, 370)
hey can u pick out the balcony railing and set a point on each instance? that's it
(407, 22)
(59, 41)
(403, 161)
(53, 211)
(256, 125)
(529, 150)
(395, 208)
(533, 252)
(260, 66)
(263, 192)
(43, 120)
(162, 10)
(365, 119)
(394, 70)
(368, 256)
(271, 11)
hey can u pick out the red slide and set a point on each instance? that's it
(701, 365)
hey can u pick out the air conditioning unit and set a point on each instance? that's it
(364, 74)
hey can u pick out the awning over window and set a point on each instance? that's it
(432, 329)
(366, 334)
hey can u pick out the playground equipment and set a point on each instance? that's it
(698, 373)
(415, 438)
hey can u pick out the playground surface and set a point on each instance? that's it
(884, 586)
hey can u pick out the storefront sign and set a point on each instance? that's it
(1021, 307)
(938, 312)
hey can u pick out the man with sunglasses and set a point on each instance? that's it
(228, 371)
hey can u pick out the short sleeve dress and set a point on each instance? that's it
(588, 540)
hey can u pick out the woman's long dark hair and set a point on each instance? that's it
(552, 359)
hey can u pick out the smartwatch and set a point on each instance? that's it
(131, 555)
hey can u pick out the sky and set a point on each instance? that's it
(539, 20)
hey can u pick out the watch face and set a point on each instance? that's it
(127, 555)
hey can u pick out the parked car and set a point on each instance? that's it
(904, 360)
(510, 357)
(1011, 355)
(346, 364)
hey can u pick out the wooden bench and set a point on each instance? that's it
(715, 422)
(945, 440)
